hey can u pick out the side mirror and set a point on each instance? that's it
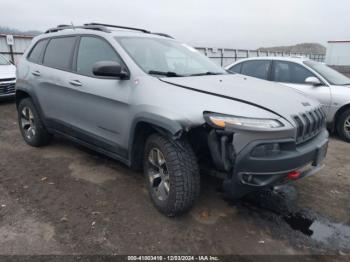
(109, 69)
(314, 81)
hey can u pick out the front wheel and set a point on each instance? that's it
(172, 174)
(343, 125)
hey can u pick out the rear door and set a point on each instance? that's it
(53, 89)
(294, 75)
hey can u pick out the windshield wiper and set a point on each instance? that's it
(207, 74)
(168, 74)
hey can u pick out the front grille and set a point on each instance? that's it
(7, 89)
(309, 124)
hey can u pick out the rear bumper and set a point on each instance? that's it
(251, 172)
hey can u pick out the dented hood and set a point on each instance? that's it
(281, 100)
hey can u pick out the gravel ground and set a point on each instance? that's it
(64, 199)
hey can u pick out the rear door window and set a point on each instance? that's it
(289, 72)
(256, 68)
(59, 53)
(36, 54)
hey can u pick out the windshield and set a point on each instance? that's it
(332, 76)
(3, 61)
(167, 57)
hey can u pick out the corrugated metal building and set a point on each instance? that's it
(15, 51)
(338, 53)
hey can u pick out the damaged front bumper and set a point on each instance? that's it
(269, 162)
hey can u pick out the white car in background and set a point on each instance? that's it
(315, 79)
(7, 78)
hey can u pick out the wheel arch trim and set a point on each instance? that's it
(28, 93)
(160, 124)
(338, 113)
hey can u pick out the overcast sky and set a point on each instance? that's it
(214, 23)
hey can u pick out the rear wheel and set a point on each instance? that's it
(32, 129)
(343, 125)
(172, 174)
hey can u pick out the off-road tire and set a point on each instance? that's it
(183, 174)
(340, 125)
(41, 136)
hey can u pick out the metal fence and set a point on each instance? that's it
(221, 56)
(15, 51)
(226, 56)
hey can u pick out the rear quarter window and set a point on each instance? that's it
(59, 53)
(236, 68)
(36, 54)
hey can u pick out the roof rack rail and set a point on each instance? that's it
(118, 26)
(59, 26)
(63, 27)
(162, 34)
(130, 28)
(103, 28)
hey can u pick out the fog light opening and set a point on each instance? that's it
(266, 150)
(248, 178)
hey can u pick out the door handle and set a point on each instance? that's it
(75, 83)
(36, 73)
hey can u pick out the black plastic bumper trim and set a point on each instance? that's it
(274, 169)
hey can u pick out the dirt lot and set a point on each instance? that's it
(64, 199)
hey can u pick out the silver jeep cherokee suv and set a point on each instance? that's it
(154, 103)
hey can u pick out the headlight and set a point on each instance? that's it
(222, 121)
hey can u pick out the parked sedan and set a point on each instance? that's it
(7, 78)
(315, 79)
